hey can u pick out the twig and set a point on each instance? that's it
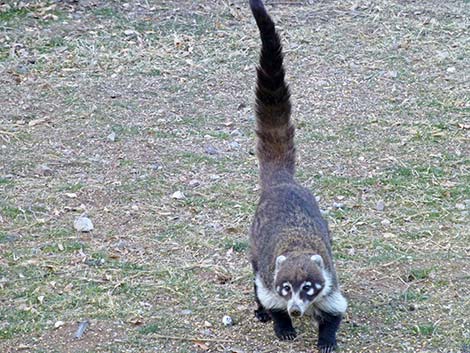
(3, 132)
(181, 338)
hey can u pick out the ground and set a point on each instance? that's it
(139, 115)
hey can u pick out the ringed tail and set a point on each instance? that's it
(275, 147)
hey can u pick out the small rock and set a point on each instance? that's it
(338, 205)
(442, 55)
(214, 177)
(111, 137)
(380, 206)
(234, 145)
(211, 150)
(318, 198)
(227, 320)
(59, 324)
(351, 252)
(44, 170)
(207, 332)
(83, 224)
(207, 324)
(391, 74)
(451, 70)
(156, 166)
(186, 312)
(460, 206)
(385, 222)
(178, 195)
(122, 244)
(194, 182)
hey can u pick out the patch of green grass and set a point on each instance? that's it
(424, 330)
(13, 14)
(411, 295)
(5, 181)
(107, 12)
(236, 245)
(71, 187)
(150, 328)
(19, 322)
(418, 274)
(11, 211)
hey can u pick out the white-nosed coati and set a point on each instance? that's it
(290, 241)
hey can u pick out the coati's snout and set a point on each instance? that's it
(299, 279)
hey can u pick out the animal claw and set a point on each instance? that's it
(327, 349)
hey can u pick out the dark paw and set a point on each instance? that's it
(262, 315)
(285, 333)
(326, 348)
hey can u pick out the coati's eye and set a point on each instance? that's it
(286, 288)
(307, 287)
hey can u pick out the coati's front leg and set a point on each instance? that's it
(283, 325)
(328, 325)
(262, 314)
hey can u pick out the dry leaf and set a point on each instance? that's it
(38, 121)
(201, 345)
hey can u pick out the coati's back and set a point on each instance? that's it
(283, 204)
(290, 241)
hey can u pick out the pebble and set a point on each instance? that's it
(227, 320)
(338, 205)
(83, 224)
(186, 312)
(194, 182)
(211, 150)
(385, 222)
(460, 206)
(44, 170)
(59, 324)
(178, 195)
(380, 206)
(234, 145)
(112, 136)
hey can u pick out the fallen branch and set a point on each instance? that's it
(195, 339)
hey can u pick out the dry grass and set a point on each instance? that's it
(382, 107)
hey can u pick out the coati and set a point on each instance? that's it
(290, 241)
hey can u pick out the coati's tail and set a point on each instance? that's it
(276, 151)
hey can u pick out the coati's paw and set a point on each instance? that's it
(285, 333)
(262, 315)
(326, 348)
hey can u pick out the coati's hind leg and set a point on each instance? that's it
(262, 314)
(283, 325)
(327, 327)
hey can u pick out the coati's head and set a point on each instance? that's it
(300, 279)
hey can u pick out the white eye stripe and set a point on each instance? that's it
(317, 285)
(310, 291)
(286, 287)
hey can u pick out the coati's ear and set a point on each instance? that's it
(279, 260)
(318, 260)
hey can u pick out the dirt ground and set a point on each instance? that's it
(138, 114)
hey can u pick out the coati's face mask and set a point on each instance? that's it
(299, 280)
